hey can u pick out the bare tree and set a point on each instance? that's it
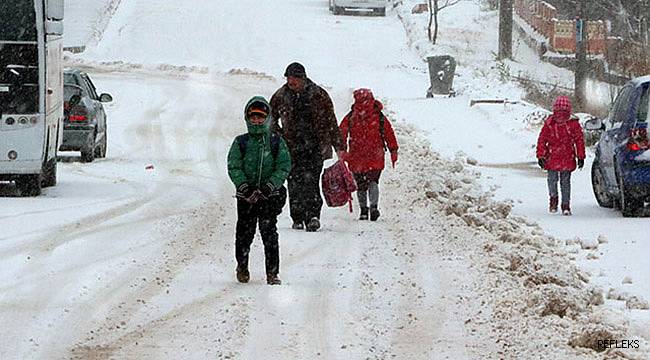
(435, 6)
(628, 24)
(628, 17)
(505, 29)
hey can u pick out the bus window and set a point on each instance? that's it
(18, 19)
(21, 85)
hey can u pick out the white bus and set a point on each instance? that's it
(31, 92)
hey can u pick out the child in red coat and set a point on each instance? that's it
(560, 143)
(367, 134)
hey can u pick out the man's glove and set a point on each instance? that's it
(266, 190)
(581, 163)
(541, 162)
(248, 193)
(393, 157)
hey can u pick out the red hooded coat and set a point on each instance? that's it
(366, 146)
(561, 141)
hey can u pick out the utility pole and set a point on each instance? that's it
(505, 29)
(582, 67)
(644, 22)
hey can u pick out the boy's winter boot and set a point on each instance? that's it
(552, 204)
(364, 213)
(243, 275)
(273, 279)
(374, 213)
(313, 224)
(566, 210)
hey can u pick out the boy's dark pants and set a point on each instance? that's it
(248, 216)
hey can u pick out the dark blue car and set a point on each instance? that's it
(620, 174)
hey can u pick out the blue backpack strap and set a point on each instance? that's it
(242, 140)
(275, 144)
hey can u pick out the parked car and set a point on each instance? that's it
(376, 6)
(620, 174)
(84, 121)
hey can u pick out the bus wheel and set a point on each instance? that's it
(29, 185)
(49, 173)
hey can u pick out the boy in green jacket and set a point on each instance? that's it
(258, 164)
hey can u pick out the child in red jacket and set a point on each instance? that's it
(369, 134)
(560, 143)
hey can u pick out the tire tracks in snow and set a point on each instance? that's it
(237, 303)
(49, 240)
(79, 297)
(121, 327)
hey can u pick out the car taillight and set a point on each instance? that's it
(78, 118)
(638, 140)
(78, 114)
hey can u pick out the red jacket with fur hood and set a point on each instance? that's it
(561, 141)
(361, 134)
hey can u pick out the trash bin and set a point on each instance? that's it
(441, 73)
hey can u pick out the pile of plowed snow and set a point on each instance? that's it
(533, 301)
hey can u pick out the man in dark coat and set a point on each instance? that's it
(304, 114)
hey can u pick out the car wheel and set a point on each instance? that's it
(104, 145)
(49, 173)
(337, 10)
(597, 183)
(629, 204)
(29, 185)
(88, 155)
(380, 11)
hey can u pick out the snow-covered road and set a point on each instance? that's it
(121, 261)
(118, 261)
(138, 263)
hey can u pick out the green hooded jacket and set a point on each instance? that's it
(258, 166)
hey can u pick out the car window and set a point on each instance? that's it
(69, 90)
(615, 105)
(620, 108)
(85, 87)
(91, 87)
(70, 79)
(642, 109)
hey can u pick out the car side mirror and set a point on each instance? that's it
(74, 100)
(105, 98)
(594, 124)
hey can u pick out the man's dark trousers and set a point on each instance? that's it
(305, 201)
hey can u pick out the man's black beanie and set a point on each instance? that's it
(296, 70)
